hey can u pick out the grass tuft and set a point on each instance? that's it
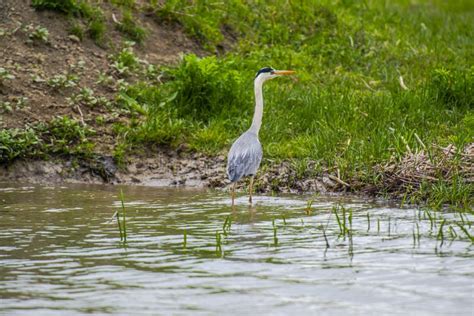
(130, 28)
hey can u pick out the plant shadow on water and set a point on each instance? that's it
(59, 250)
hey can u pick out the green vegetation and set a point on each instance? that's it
(125, 62)
(92, 13)
(77, 30)
(378, 82)
(124, 3)
(122, 224)
(62, 136)
(64, 6)
(130, 28)
(37, 33)
(185, 238)
(62, 81)
(275, 238)
(5, 75)
(66, 136)
(18, 143)
(219, 244)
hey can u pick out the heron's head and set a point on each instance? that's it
(267, 73)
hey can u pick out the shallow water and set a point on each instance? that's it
(60, 253)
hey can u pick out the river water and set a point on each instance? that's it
(61, 253)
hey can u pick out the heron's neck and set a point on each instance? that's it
(257, 116)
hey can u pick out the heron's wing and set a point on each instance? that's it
(244, 157)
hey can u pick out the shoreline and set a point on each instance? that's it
(170, 168)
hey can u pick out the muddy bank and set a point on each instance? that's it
(166, 168)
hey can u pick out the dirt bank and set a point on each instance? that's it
(166, 168)
(38, 50)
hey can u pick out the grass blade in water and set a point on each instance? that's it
(440, 233)
(368, 221)
(124, 220)
(324, 235)
(117, 215)
(466, 232)
(275, 238)
(184, 238)
(338, 221)
(218, 243)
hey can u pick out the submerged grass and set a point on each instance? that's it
(227, 225)
(275, 238)
(123, 223)
(466, 232)
(218, 243)
(324, 235)
(185, 238)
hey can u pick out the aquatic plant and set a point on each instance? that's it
(350, 219)
(184, 238)
(452, 232)
(227, 225)
(368, 221)
(324, 235)
(339, 223)
(308, 208)
(117, 216)
(418, 232)
(440, 235)
(389, 226)
(432, 221)
(123, 224)
(218, 243)
(275, 238)
(465, 231)
(343, 221)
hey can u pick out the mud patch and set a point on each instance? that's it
(166, 168)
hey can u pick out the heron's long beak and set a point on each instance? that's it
(284, 72)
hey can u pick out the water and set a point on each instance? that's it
(60, 253)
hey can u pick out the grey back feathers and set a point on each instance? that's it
(244, 156)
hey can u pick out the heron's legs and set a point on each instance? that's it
(250, 189)
(233, 192)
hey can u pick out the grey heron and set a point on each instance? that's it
(245, 154)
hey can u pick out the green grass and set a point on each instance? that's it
(63, 136)
(123, 229)
(347, 109)
(64, 6)
(130, 28)
(5, 75)
(91, 12)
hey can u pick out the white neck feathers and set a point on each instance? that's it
(258, 114)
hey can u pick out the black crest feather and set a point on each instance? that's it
(263, 70)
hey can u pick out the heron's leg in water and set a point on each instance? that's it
(250, 189)
(233, 192)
